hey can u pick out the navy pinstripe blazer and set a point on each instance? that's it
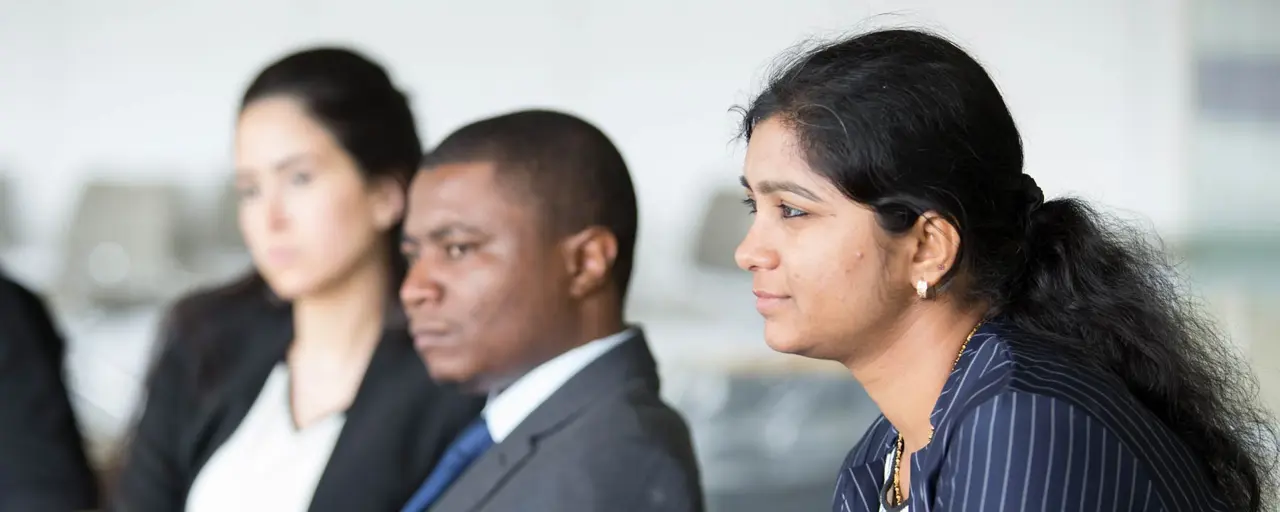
(1018, 427)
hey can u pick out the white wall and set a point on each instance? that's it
(146, 87)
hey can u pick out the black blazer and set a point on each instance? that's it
(43, 467)
(204, 383)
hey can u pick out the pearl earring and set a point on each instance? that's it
(922, 289)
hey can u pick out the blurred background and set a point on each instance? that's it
(115, 184)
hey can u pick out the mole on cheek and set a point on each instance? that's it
(850, 269)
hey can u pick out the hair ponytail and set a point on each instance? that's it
(1099, 290)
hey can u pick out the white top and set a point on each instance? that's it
(888, 473)
(509, 407)
(267, 464)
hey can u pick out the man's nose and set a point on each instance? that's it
(419, 286)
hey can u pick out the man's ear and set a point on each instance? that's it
(936, 245)
(388, 200)
(589, 257)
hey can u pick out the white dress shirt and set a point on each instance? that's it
(267, 464)
(506, 409)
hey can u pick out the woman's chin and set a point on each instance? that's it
(784, 340)
(289, 288)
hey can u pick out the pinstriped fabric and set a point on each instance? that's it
(1018, 427)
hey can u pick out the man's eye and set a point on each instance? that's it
(455, 251)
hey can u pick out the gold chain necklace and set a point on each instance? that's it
(901, 445)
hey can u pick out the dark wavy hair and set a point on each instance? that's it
(906, 123)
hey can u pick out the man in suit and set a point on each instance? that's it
(520, 234)
(43, 467)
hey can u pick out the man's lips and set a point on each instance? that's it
(429, 335)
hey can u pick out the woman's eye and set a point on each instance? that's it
(790, 212)
(246, 192)
(301, 178)
(750, 204)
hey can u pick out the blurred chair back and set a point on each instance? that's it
(226, 235)
(210, 250)
(6, 214)
(121, 246)
(724, 224)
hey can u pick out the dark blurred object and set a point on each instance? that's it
(43, 467)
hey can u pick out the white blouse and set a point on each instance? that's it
(888, 473)
(267, 464)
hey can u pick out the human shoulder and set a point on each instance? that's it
(1021, 447)
(27, 322)
(635, 470)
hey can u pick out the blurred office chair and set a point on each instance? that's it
(226, 228)
(209, 242)
(724, 223)
(120, 249)
(224, 255)
(209, 248)
(6, 215)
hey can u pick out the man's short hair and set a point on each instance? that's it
(570, 168)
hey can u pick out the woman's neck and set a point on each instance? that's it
(343, 321)
(907, 375)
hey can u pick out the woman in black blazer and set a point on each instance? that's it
(43, 467)
(298, 388)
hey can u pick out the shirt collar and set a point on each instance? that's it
(507, 408)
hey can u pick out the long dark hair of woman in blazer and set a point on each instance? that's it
(1026, 355)
(324, 147)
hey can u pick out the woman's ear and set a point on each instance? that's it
(388, 200)
(936, 245)
(589, 257)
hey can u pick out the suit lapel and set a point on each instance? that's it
(624, 365)
(488, 474)
(246, 356)
(356, 457)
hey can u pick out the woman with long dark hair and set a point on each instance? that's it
(298, 388)
(1025, 354)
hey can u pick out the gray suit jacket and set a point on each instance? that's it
(604, 441)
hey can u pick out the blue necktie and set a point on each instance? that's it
(470, 444)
